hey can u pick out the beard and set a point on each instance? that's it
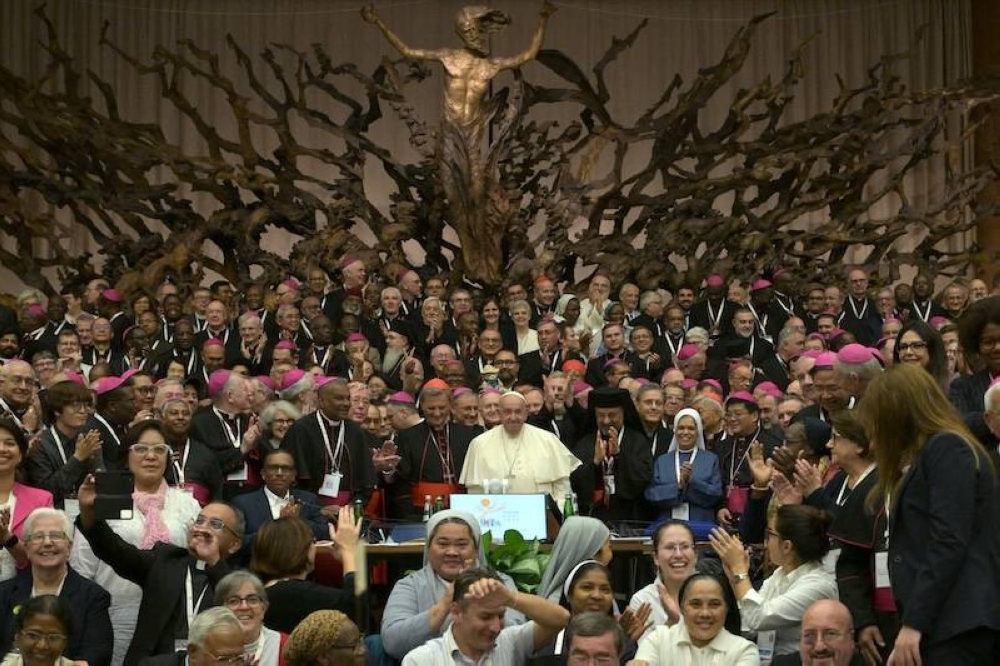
(8, 352)
(391, 359)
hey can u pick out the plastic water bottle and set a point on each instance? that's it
(427, 508)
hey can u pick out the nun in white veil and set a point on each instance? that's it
(418, 608)
(686, 483)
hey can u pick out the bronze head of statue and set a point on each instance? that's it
(473, 23)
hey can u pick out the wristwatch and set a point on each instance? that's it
(11, 541)
(740, 576)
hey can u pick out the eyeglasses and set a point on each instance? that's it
(989, 343)
(282, 421)
(80, 405)
(253, 601)
(230, 659)
(600, 660)
(920, 345)
(217, 524)
(145, 390)
(161, 450)
(279, 469)
(504, 363)
(20, 381)
(39, 537)
(829, 636)
(36, 637)
(677, 547)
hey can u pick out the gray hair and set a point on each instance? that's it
(267, 416)
(48, 512)
(991, 392)
(594, 624)
(248, 317)
(285, 309)
(230, 583)
(697, 332)
(647, 388)
(647, 297)
(212, 618)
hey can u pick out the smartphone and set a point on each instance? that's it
(114, 495)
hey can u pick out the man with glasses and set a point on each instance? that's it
(17, 395)
(827, 638)
(177, 582)
(743, 428)
(277, 499)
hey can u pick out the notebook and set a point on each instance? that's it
(498, 513)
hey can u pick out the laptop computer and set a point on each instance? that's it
(498, 513)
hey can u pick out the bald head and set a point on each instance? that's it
(827, 637)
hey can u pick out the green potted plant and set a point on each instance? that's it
(519, 559)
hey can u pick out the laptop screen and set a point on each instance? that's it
(498, 513)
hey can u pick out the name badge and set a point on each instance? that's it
(765, 644)
(882, 570)
(609, 484)
(331, 484)
(681, 512)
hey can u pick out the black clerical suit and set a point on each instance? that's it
(633, 470)
(161, 572)
(222, 433)
(422, 461)
(305, 439)
(862, 318)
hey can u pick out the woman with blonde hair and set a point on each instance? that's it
(940, 490)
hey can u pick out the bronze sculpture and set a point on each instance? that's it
(466, 168)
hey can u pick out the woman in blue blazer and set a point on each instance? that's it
(686, 481)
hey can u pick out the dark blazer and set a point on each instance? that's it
(46, 469)
(944, 548)
(206, 427)
(92, 638)
(633, 472)
(112, 454)
(161, 573)
(257, 511)
(967, 392)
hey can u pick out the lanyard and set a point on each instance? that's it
(6, 408)
(189, 589)
(843, 489)
(715, 318)
(788, 306)
(674, 348)
(854, 307)
(179, 468)
(925, 315)
(107, 425)
(59, 444)
(234, 437)
(735, 468)
(677, 461)
(335, 458)
(445, 456)
(260, 647)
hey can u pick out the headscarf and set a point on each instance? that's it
(580, 537)
(428, 586)
(693, 413)
(561, 306)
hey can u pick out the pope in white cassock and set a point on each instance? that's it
(532, 460)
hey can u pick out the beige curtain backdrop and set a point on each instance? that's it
(682, 36)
